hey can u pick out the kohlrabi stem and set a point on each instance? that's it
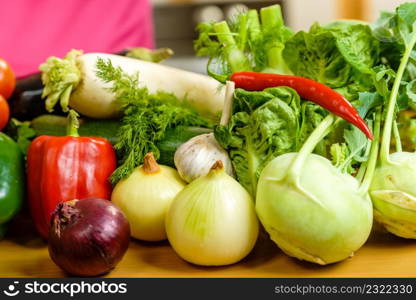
(235, 57)
(363, 166)
(316, 136)
(372, 161)
(228, 103)
(385, 144)
(397, 139)
(73, 124)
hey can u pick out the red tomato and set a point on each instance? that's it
(4, 112)
(7, 79)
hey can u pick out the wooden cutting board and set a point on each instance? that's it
(23, 254)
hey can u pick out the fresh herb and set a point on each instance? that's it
(146, 118)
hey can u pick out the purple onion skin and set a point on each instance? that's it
(88, 237)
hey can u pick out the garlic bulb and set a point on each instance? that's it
(195, 157)
(144, 197)
(212, 221)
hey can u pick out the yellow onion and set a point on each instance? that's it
(145, 196)
(212, 221)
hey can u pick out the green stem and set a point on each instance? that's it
(372, 161)
(385, 144)
(363, 166)
(235, 57)
(316, 136)
(60, 76)
(156, 55)
(397, 137)
(73, 124)
(271, 19)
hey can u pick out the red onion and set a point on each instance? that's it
(88, 237)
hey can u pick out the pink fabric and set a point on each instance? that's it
(32, 30)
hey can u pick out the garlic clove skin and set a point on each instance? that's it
(195, 158)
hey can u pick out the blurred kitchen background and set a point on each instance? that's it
(175, 20)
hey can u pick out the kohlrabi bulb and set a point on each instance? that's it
(320, 217)
(393, 192)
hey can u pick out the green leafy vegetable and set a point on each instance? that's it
(249, 43)
(146, 118)
(264, 125)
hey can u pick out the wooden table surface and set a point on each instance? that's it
(23, 254)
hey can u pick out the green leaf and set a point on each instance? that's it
(244, 43)
(411, 91)
(146, 117)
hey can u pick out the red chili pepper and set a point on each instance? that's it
(307, 89)
(60, 169)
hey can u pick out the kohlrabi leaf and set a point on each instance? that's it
(22, 133)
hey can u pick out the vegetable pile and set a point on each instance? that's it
(290, 130)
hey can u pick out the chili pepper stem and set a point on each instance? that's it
(73, 124)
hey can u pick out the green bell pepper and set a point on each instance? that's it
(12, 179)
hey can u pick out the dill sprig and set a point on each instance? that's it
(146, 118)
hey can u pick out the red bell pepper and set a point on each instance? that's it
(306, 88)
(60, 169)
